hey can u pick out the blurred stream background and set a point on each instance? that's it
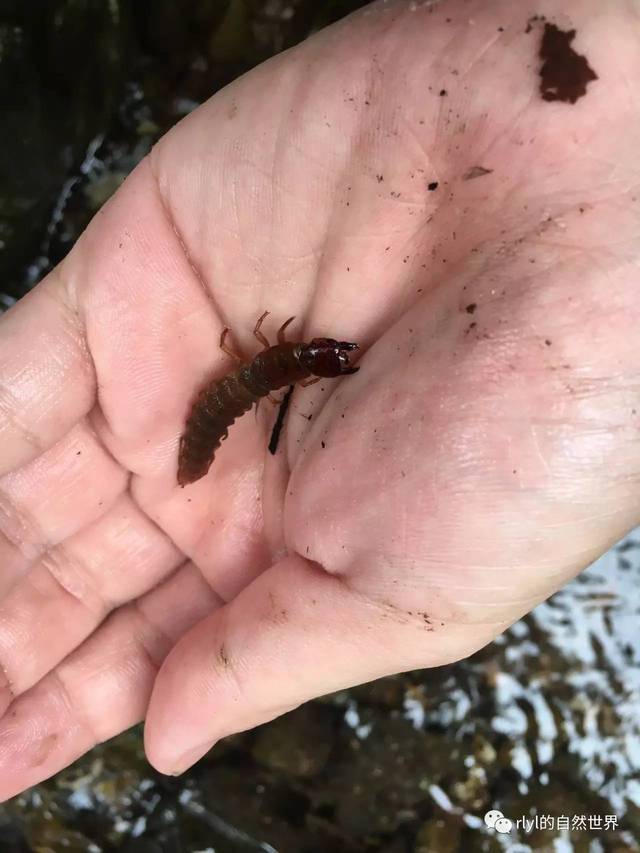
(545, 721)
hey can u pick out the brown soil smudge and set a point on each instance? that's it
(476, 172)
(564, 74)
(44, 749)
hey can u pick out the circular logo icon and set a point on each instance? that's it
(503, 825)
(494, 819)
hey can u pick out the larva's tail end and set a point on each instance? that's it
(185, 476)
(189, 472)
(195, 456)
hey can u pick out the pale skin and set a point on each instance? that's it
(468, 471)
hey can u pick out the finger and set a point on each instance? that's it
(218, 525)
(151, 325)
(295, 633)
(47, 381)
(73, 587)
(66, 488)
(102, 688)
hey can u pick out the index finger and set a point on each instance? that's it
(47, 380)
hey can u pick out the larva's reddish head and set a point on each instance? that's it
(326, 357)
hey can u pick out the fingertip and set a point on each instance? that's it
(279, 643)
(175, 763)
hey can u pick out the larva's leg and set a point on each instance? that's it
(281, 330)
(273, 400)
(258, 334)
(225, 348)
(312, 381)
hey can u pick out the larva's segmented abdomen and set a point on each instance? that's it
(215, 409)
(220, 403)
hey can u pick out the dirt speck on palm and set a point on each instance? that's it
(564, 74)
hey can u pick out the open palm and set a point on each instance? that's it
(396, 181)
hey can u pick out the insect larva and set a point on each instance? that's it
(221, 401)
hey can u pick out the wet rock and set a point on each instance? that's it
(61, 67)
(397, 845)
(379, 780)
(260, 806)
(386, 692)
(298, 743)
(439, 835)
(12, 839)
(483, 750)
(472, 792)
(632, 818)
(101, 189)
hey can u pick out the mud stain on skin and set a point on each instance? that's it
(426, 619)
(534, 19)
(278, 614)
(476, 172)
(564, 74)
(5, 686)
(44, 749)
(7, 694)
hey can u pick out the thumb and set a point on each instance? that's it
(295, 633)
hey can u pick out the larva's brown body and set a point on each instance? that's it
(222, 401)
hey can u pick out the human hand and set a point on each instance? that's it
(485, 452)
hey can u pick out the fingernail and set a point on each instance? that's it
(189, 758)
